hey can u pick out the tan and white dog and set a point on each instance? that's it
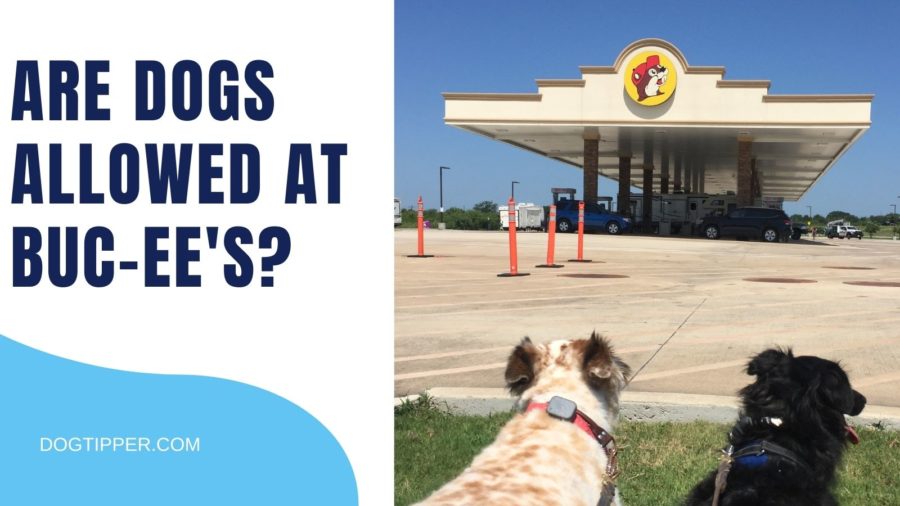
(549, 454)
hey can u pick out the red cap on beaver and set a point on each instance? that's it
(640, 70)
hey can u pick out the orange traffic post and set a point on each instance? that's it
(580, 233)
(551, 240)
(421, 226)
(513, 254)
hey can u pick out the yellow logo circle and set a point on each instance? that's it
(650, 78)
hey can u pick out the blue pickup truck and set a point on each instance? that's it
(596, 217)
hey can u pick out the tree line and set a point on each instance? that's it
(819, 220)
(483, 216)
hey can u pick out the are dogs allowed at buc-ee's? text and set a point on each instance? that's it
(156, 173)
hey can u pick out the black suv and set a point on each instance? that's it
(770, 225)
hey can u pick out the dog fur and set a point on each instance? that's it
(810, 395)
(538, 460)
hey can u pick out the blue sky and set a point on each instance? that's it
(492, 46)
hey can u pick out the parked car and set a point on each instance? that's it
(596, 217)
(770, 225)
(798, 229)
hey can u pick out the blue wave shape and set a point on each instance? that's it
(255, 448)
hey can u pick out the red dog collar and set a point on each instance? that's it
(564, 409)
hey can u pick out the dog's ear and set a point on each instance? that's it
(520, 367)
(600, 363)
(769, 361)
(625, 368)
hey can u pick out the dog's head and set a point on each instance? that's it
(567, 365)
(806, 390)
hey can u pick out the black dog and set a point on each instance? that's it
(788, 441)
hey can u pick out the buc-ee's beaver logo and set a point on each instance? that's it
(650, 78)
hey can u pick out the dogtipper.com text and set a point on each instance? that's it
(125, 444)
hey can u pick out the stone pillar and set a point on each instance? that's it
(678, 186)
(591, 163)
(647, 204)
(687, 177)
(623, 205)
(744, 172)
(755, 187)
(664, 175)
(702, 178)
(695, 178)
(753, 177)
(759, 182)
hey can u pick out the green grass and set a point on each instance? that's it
(660, 462)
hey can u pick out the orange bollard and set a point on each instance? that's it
(421, 226)
(551, 240)
(513, 254)
(580, 233)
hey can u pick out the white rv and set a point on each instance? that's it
(679, 213)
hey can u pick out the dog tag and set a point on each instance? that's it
(562, 408)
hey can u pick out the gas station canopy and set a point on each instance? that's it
(680, 123)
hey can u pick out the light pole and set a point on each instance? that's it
(441, 225)
(513, 185)
(894, 214)
(810, 213)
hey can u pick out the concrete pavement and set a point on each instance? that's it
(686, 316)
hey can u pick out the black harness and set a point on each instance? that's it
(757, 453)
(752, 455)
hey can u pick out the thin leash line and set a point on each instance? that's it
(661, 346)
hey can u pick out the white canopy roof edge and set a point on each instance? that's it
(796, 139)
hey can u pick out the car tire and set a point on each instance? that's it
(613, 228)
(770, 235)
(796, 236)
(564, 226)
(711, 232)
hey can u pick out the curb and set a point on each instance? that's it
(639, 406)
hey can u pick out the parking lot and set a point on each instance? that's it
(684, 309)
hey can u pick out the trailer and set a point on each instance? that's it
(529, 216)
